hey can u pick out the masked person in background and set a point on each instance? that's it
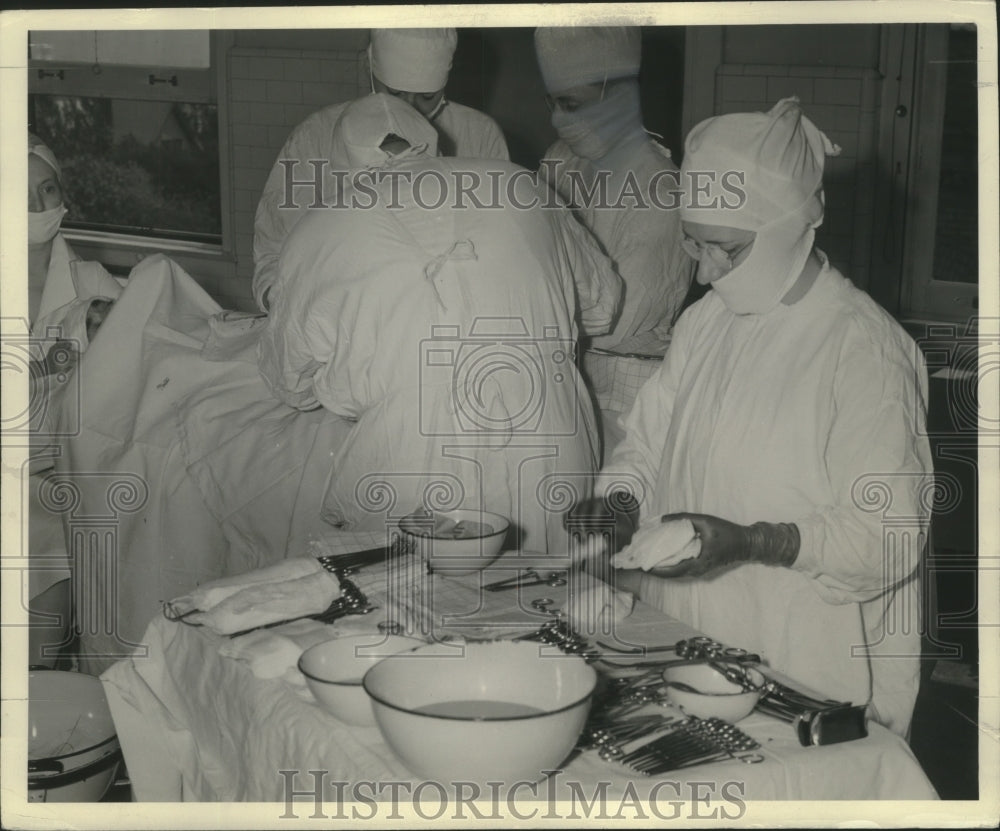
(58, 280)
(411, 64)
(781, 440)
(68, 299)
(445, 333)
(622, 186)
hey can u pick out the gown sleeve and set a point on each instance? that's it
(598, 286)
(879, 464)
(273, 223)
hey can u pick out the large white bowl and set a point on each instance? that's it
(446, 555)
(723, 699)
(334, 669)
(73, 751)
(497, 711)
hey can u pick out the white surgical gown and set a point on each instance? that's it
(462, 131)
(813, 414)
(642, 239)
(448, 335)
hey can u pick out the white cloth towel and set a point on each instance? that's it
(293, 588)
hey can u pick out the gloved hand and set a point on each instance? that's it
(725, 543)
(618, 512)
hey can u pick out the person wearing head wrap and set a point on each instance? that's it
(57, 277)
(360, 137)
(591, 76)
(362, 295)
(787, 401)
(412, 64)
(62, 289)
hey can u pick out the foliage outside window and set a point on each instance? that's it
(163, 181)
(139, 145)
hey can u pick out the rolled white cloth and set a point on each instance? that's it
(659, 544)
(412, 60)
(293, 588)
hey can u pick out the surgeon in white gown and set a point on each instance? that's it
(787, 426)
(446, 332)
(411, 64)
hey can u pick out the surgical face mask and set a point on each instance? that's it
(779, 253)
(44, 225)
(593, 131)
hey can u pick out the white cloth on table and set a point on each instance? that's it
(812, 414)
(197, 726)
(389, 316)
(462, 131)
(206, 474)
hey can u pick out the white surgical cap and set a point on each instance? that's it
(780, 156)
(412, 60)
(571, 56)
(365, 123)
(36, 147)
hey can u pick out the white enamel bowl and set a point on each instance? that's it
(499, 711)
(446, 555)
(73, 751)
(722, 699)
(334, 669)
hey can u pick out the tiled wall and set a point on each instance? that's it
(843, 103)
(270, 92)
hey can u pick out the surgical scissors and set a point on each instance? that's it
(531, 577)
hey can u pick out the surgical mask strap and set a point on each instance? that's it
(437, 110)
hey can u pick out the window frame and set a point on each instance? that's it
(120, 252)
(923, 296)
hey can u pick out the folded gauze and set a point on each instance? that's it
(660, 545)
(293, 588)
(595, 608)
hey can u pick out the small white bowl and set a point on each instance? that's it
(498, 711)
(447, 555)
(722, 699)
(334, 669)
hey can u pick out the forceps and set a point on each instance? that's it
(531, 577)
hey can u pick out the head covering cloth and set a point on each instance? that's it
(412, 60)
(37, 147)
(779, 155)
(366, 122)
(572, 56)
(777, 158)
